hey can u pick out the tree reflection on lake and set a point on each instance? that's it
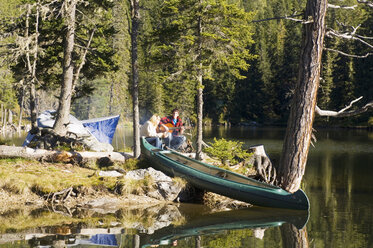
(185, 225)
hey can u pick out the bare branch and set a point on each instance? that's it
(364, 37)
(343, 112)
(172, 76)
(348, 35)
(350, 105)
(332, 6)
(291, 17)
(348, 55)
(368, 3)
(82, 59)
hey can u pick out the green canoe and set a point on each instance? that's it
(223, 182)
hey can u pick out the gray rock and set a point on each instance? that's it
(110, 174)
(93, 144)
(165, 190)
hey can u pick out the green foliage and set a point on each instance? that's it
(172, 52)
(4, 141)
(132, 164)
(227, 151)
(23, 176)
(8, 96)
(91, 17)
(179, 51)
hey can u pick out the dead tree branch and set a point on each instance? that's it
(332, 6)
(348, 35)
(368, 3)
(343, 112)
(290, 17)
(348, 55)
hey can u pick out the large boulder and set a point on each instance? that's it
(166, 189)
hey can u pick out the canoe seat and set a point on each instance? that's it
(182, 161)
(156, 150)
(221, 174)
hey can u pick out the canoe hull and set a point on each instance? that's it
(240, 187)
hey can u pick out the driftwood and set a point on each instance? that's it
(58, 156)
(263, 164)
(59, 197)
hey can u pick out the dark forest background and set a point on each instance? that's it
(262, 95)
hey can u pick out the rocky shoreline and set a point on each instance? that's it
(158, 189)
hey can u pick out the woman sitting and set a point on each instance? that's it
(149, 130)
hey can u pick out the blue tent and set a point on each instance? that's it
(104, 239)
(102, 128)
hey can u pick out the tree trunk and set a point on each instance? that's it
(199, 119)
(64, 103)
(299, 127)
(10, 119)
(199, 97)
(32, 67)
(21, 106)
(89, 107)
(5, 120)
(111, 99)
(33, 113)
(135, 77)
(2, 113)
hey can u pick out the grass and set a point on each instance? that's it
(20, 175)
(4, 141)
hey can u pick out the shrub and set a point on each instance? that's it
(227, 151)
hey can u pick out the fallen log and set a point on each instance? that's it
(59, 156)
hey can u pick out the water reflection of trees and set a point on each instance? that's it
(239, 228)
(293, 237)
(157, 225)
(338, 181)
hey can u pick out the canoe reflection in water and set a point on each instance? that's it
(198, 223)
(252, 218)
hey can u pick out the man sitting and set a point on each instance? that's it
(176, 129)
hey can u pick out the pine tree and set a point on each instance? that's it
(193, 39)
(90, 52)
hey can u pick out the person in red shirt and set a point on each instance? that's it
(175, 126)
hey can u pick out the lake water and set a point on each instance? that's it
(338, 182)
